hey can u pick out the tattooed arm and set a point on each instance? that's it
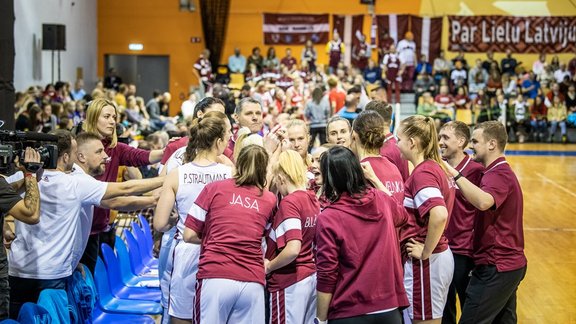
(27, 210)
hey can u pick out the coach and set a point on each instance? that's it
(498, 231)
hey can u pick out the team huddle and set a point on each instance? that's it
(257, 228)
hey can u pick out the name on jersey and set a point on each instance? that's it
(245, 202)
(394, 186)
(202, 178)
(310, 221)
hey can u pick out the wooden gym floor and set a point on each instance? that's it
(548, 293)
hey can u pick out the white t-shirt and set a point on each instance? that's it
(48, 250)
(407, 52)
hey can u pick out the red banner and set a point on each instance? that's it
(295, 29)
(519, 34)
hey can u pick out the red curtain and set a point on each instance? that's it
(214, 15)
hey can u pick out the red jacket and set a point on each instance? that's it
(358, 256)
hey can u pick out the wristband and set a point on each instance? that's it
(458, 176)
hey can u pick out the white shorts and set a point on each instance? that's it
(183, 281)
(229, 301)
(296, 304)
(426, 283)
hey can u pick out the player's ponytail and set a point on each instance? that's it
(291, 165)
(204, 132)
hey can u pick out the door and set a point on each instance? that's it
(147, 72)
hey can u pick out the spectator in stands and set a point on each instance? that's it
(423, 65)
(510, 85)
(530, 86)
(24, 120)
(285, 81)
(271, 64)
(557, 116)
(407, 54)
(289, 61)
(480, 104)
(500, 105)
(317, 112)
(120, 97)
(373, 73)
(494, 83)
(561, 73)
(547, 77)
(237, 62)
(424, 83)
(48, 120)
(441, 67)
(438, 111)
(461, 100)
(350, 110)
(384, 43)
(309, 56)
(336, 95)
(490, 62)
(252, 74)
(203, 69)
(519, 120)
(78, 92)
(460, 58)
(112, 80)
(572, 66)
(256, 59)
(153, 107)
(509, 63)
(392, 70)
(477, 78)
(555, 91)
(539, 65)
(335, 50)
(360, 53)
(538, 118)
(555, 63)
(571, 105)
(134, 115)
(458, 76)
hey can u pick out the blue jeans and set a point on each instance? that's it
(539, 126)
(554, 125)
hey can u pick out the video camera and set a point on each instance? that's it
(14, 143)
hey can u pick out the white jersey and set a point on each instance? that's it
(175, 160)
(192, 178)
(52, 248)
(407, 52)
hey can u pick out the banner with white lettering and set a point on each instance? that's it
(519, 34)
(295, 29)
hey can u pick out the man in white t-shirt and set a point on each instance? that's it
(44, 255)
(407, 53)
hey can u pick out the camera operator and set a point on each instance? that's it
(44, 256)
(26, 210)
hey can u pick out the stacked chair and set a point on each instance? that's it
(124, 288)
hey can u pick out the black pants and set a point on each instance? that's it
(23, 290)
(92, 250)
(491, 296)
(317, 131)
(463, 265)
(4, 297)
(391, 317)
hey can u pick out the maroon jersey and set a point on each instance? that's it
(335, 50)
(427, 187)
(392, 63)
(390, 151)
(232, 230)
(295, 220)
(460, 230)
(389, 175)
(288, 62)
(204, 68)
(498, 231)
(360, 60)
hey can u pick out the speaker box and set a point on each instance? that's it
(53, 37)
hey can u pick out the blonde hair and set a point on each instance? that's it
(291, 165)
(245, 138)
(424, 130)
(93, 113)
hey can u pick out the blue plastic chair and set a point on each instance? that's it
(31, 313)
(147, 232)
(135, 257)
(145, 251)
(129, 278)
(9, 321)
(55, 301)
(115, 280)
(111, 304)
(100, 316)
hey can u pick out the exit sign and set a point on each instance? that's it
(195, 40)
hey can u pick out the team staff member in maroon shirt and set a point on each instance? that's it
(454, 138)
(229, 219)
(389, 149)
(101, 120)
(498, 231)
(353, 235)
